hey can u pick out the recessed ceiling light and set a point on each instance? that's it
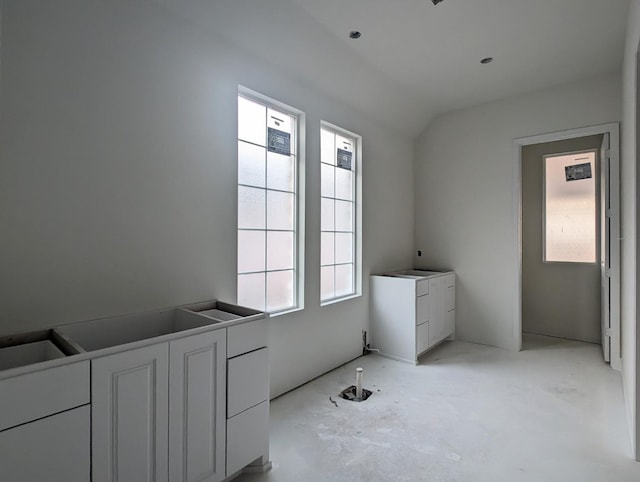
(486, 60)
(355, 34)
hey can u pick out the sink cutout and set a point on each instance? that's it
(36, 352)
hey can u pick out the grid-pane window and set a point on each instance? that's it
(267, 205)
(570, 208)
(338, 224)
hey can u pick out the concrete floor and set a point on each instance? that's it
(553, 412)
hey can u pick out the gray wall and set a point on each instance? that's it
(466, 202)
(558, 299)
(118, 176)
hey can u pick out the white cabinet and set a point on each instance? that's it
(52, 449)
(247, 398)
(197, 379)
(411, 311)
(130, 413)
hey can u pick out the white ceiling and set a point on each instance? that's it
(415, 60)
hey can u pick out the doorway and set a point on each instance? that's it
(603, 288)
(560, 239)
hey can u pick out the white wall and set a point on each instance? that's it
(628, 175)
(465, 202)
(118, 172)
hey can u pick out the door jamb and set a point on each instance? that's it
(614, 135)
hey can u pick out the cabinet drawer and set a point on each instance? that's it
(450, 298)
(53, 449)
(38, 394)
(248, 381)
(422, 287)
(422, 339)
(422, 313)
(247, 437)
(246, 337)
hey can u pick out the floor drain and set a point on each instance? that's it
(350, 394)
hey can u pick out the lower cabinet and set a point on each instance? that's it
(130, 415)
(52, 449)
(197, 374)
(411, 312)
(159, 400)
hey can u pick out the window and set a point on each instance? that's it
(340, 214)
(268, 262)
(570, 208)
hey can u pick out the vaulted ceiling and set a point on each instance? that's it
(415, 60)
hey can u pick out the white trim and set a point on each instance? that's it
(614, 134)
(299, 141)
(357, 184)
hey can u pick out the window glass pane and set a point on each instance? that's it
(250, 251)
(279, 290)
(327, 215)
(327, 249)
(327, 290)
(344, 184)
(344, 143)
(279, 250)
(251, 291)
(327, 180)
(280, 172)
(344, 279)
(251, 208)
(279, 120)
(570, 210)
(279, 210)
(344, 216)
(252, 121)
(327, 148)
(344, 248)
(251, 166)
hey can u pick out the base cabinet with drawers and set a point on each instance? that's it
(173, 395)
(411, 312)
(184, 397)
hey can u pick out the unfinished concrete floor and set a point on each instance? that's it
(553, 412)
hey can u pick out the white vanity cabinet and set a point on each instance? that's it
(411, 312)
(130, 415)
(45, 426)
(197, 381)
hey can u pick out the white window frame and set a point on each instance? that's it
(298, 140)
(357, 212)
(596, 175)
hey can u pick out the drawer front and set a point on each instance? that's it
(35, 395)
(422, 340)
(53, 449)
(450, 298)
(422, 287)
(248, 381)
(422, 313)
(246, 337)
(247, 437)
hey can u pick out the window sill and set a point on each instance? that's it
(339, 300)
(285, 312)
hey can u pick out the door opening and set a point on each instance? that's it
(559, 296)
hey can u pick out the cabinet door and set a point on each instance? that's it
(197, 419)
(52, 449)
(130, 397)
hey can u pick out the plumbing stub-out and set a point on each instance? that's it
(356, 393)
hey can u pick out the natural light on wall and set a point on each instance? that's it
(570, 208)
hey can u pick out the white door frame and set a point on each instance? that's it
(614, 132)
